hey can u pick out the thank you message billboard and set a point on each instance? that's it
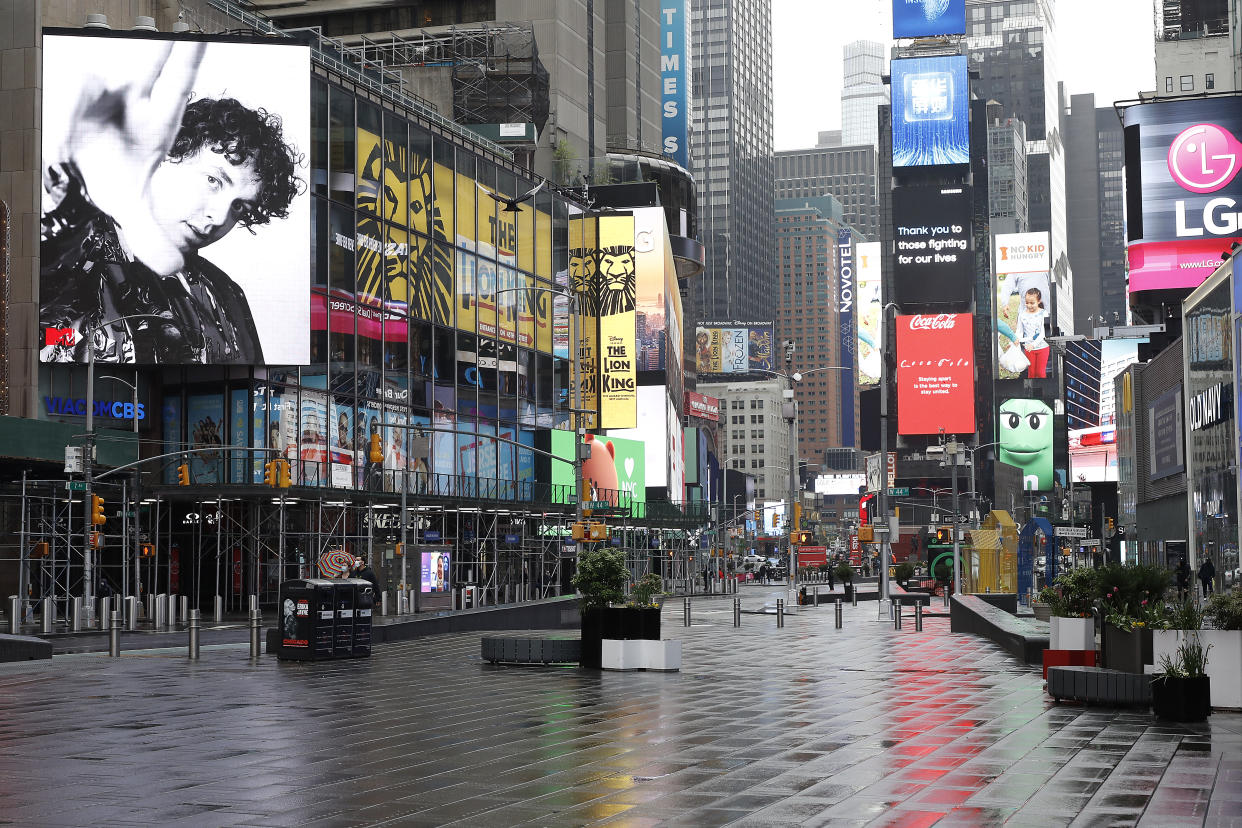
(935, 374)
(933, 262)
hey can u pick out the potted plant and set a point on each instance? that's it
(600, 579)
(1129, 598)
(1128, 640)
(1042, 605)
(1072, 606)
(845, 574)
(1182, 691)
(645, 600)
(903, 574)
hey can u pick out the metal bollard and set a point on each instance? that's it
(184, 615)
(15, 615)
(685, 612)
(254, 602)
(131, 612)
(49, 614)
(219, 609)
(946, 597)
(854, 597)
(838, 613)
(105, 613)
(780, 613)
(384, 603)
(256, 624)
(737, 612)
(75, 614)
(114, 635)
(151, 609)
(918, 617)
(896, 614)
(194, 624)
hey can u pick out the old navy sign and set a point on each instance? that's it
(115, 409)
(675, 79)
(1211, 406)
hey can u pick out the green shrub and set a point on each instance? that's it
(601, 576)
(1224, 612)
(647, 587)
(904, 572)
(844, 573)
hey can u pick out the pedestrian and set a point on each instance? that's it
(1207, 571)
(366, 573)
(706, 577)
(763, 573)
(1183, 579)
(831, 579)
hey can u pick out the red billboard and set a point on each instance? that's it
(812, 556)
(935, 374)
(702, 406)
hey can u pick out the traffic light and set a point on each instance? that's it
(578, 532)
(146, 550)
(399, 550)
(98, 517)
(377, 450)
(797, 516)
(776, 519)
(183, 474)
(40, 550)
(96, 540)
(944, 537)
(759, 516)
(1110, 525)
(285, 480)
(271, 473)
(598, 532)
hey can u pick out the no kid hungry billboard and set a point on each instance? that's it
(935, 374)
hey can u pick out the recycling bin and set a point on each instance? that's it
(307, 619)
(364, 603)
(344, 594)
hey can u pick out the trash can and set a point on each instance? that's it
(306, 619)
(344, 594)
(364, 602)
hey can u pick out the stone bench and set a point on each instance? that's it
(1097, 685)
(1023, 637)
(527, 649)
(23, 648)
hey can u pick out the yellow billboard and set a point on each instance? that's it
(617, 287)
(583, 281)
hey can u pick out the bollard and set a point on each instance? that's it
(737, 612)
(131, 612)
(184, 615)
(256, 622)
(75, 617)
(193, 627)
(151, 611)
(384, 603)
(946, 597)
(896, 613)
(685, 612)
(219, 609)
(165, 610)
(48, 615)
(838, 613)
(254, 602)
(918, 617)
(15, 615)
(780, 613)
(854, 597)
(114, 635)
(105, 613)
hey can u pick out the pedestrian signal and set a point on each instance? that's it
(40, 550)
(146, 550)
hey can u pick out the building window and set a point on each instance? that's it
(1168, 84)
(1209, 81)
(1187, 83)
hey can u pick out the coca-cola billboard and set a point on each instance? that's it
(935, 374)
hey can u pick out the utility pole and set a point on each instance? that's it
(882, 497)
(951, 451)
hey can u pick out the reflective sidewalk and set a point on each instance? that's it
(805, 725)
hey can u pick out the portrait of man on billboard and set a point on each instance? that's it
(148, 161)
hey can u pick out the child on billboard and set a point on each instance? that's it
(1031, 333)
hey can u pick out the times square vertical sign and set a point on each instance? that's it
(845, 326)
(675, 79)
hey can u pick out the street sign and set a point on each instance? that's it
(874, 473)
(899, 491)
(1071, 531)
(880, 530)
(1089, 542)
(596, 504)
(75, 485)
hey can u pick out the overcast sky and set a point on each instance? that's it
(1105, 47)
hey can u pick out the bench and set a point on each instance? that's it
(1096, 684)
(527, 649)
(1022, 637)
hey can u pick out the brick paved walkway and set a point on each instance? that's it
(806, 725)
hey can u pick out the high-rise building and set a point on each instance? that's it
(731, 154)
(1095, 204)
(847, 173)
(862, 93)
(807, 313)
(754, 435)
(1007, 177)
(1082, 384)
(1196, 47)
(1012, 50)
(1108, 391)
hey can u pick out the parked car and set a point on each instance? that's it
(752, 561)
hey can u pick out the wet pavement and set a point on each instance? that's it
(805, 725)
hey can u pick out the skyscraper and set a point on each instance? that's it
(1012, 49)
(1196, 47)
(845, 173)
(731, 154)
(862, 93)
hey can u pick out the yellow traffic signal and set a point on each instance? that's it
(797, 516)
(599, 532)
(578, 531)
(96, 540)
(866, 534)
(271, 473)
(398, 550)
(377, 450)
(758, 516)
(776, 519)
(183, 474)
(285, 480)
(97, 511)
(40, 550)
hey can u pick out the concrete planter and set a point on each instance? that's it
(661, 655)
(1224, 660)
(1043, 612)
(1071, 633)
(621, 654)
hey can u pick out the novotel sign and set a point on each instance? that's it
(115, 409)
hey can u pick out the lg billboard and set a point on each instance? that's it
(1183, 190)
(933, 263)
(158, 153)
(931, 111)
(928, 18)
(935, 374)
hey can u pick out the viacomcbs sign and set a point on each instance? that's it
(103, 408)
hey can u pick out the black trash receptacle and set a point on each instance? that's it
(306, 619)
(344, 596)
(364, 601)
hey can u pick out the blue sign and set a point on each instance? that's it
(115, 409)
(511, 539)
(845, 325)
(931, 111)
(675, 79)
(928, 18)
(431, 535)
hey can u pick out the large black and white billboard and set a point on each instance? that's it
(175, 218)
(933, 264)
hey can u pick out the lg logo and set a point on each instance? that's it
(1204, 158)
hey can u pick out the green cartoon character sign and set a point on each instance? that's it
(1026, 441)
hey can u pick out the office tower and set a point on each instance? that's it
(862, 93)
(1012, 50)
(1082, 384)
(847, 173)
(1095, 203)
(731, 154)
(754, 436)
(1007, 173)
(1196, 47)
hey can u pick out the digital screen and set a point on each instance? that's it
(935, 374)
(436, 572)
(928, 18)
(933, 263)
(733, 348)
(869, 312)
(1025, 428)
(204, 252)
(1023, 297)
(930, 105)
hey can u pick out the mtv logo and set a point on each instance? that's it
(59, 336)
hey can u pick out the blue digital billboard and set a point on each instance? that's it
(931, 111)
(927, 18)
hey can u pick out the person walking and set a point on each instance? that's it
(1207, 571)
(1183, 579)
(831, 580)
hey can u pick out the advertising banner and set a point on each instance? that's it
(733, 347)
(931, 118)
(675, 79)
(1023, 295)
(1164, 435)
(928, 18)
(223, 296)
(436, 573)
(933, 263)
(869, 312)
(584, 282)
(935, 374)
(702, 406)
(618, 281)
(652, 307)
(1183, 190)
(846, 332)
(653, 434)
(205, 418)
(616, 464)
(1025, 428)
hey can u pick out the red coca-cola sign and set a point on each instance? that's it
(935, 374)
